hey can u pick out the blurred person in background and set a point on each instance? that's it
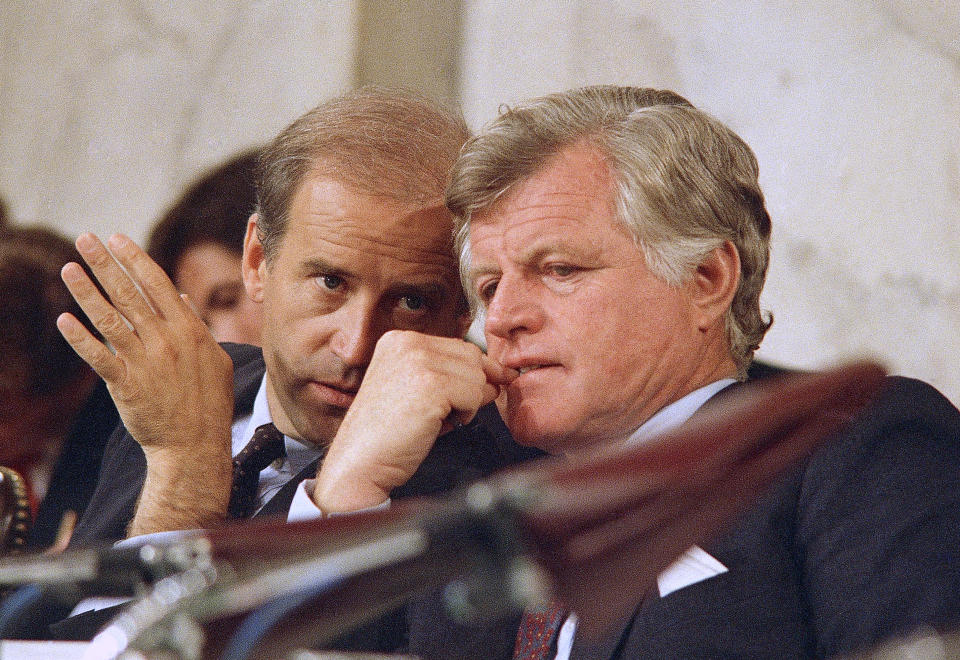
(55, 413)
(199, 244)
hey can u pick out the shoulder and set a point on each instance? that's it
(910, 401)
(908, 427)
(878, 519)
(243, 354)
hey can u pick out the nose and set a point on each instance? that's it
(357, 333)
(515, 308)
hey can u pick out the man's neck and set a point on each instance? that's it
(674, 414)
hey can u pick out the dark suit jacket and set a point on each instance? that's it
(860, 542)
(75, 473)
(466, 454)
(473, 451)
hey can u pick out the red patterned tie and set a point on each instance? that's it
(265, 447)
(538, 629)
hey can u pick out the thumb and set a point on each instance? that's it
(496, 373)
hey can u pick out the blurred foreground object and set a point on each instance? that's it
(551, 528)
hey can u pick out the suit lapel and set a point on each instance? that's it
(610, 646)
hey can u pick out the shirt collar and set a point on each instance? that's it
(298, 453)
(261, 411)
(673, 415)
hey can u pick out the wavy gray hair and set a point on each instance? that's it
(684, 184)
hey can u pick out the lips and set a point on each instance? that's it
(530, 366)
(523, 370)
(333, 394)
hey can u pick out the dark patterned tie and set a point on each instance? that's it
(538, 629)
(264, 448)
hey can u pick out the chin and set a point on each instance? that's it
(319, 432)
(534, 431)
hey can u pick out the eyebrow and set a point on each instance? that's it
(528, 255)
(474, 272)
(430, 290)
(316, 264)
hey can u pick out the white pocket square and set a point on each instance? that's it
(693, 566)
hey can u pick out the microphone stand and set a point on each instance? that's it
(471, 543)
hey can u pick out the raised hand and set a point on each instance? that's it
(170, 380)
(414, 386)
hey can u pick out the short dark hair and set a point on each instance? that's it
(213, 209)
(32, 296)
(384, 142)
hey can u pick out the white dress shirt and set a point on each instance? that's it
(275, 475)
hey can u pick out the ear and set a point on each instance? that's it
(714, 284)
(254, 265)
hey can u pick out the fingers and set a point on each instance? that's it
(123, 293)
(153, 281)
(495, 377)
(437, 378)
(481, 377)
(496, 373)
(137, 287)
(89, 348)
(104, 316)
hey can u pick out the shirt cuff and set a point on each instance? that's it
(303, 507)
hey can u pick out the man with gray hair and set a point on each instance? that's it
(616, 240)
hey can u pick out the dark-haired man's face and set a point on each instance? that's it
(349, 268)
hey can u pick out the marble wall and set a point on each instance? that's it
(109, 109)
(852, 107)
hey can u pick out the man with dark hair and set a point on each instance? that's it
(350, 241)
(55, 414)
(199, 243)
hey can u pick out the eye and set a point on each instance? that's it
(487, 290)
(413, 302)
(331, 282)
(561, 270)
